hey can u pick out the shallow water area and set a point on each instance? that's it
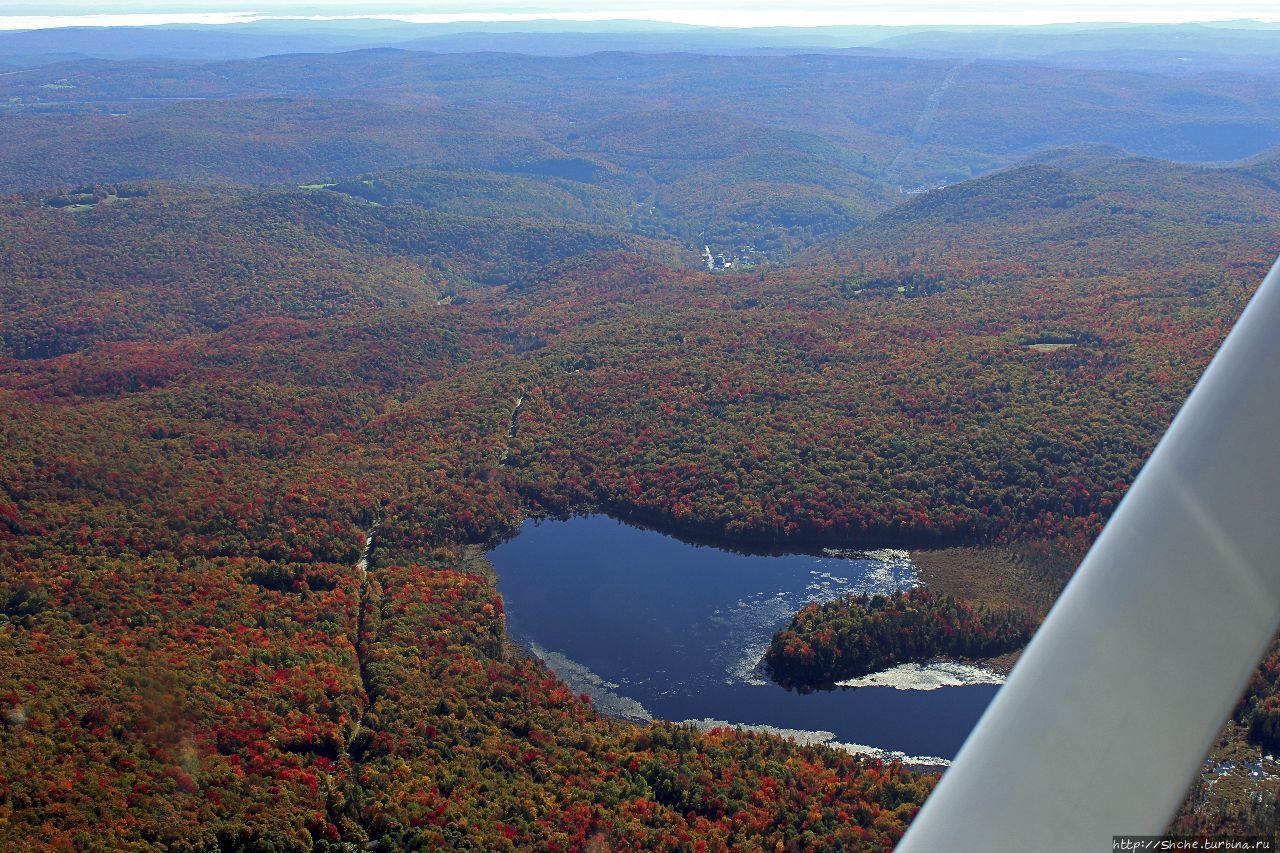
(652, 627)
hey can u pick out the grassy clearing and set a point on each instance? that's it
(994, 577)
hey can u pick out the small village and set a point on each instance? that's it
(747, 257)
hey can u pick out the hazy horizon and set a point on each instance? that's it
(813, 13)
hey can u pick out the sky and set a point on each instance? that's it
(17, 14)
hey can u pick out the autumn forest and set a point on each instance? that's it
(287, 342)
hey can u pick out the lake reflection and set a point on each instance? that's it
(648, 625)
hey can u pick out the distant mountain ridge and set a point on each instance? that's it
(550, 37)
(769, 151)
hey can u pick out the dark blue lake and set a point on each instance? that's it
(648, 625)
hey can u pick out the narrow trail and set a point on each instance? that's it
(924, 123)
(366, 595)
(363, 563)
(511, 428)
(341, 807)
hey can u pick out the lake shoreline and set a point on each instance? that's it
(989, 575)
(635, 641)
(709, 535)
(994, 575)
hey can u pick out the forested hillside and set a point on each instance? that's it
(184, 439)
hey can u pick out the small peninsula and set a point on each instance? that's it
(856, 635)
